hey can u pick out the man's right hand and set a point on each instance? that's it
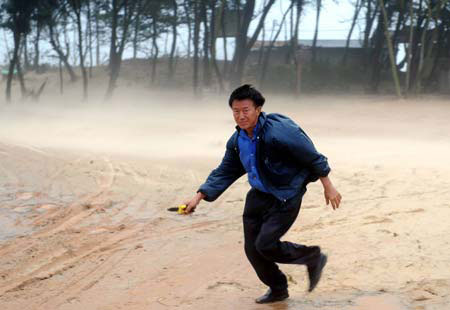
(192, 204)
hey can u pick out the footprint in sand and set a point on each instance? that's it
(226, 286)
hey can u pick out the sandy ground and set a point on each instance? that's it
(84, 190)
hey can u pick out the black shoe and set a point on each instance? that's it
(272, 296)
(315, 271)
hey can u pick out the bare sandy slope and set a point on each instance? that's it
(84, 190)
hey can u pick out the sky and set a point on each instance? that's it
(335, 21)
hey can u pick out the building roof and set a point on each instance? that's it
(332, 43)
(319, 43)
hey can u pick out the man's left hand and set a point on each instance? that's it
(330, 193)
(333, 196)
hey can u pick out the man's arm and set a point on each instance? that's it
(229, 170)
(303, 150)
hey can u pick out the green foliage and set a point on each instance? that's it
(18, 14)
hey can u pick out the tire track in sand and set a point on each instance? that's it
(64, 219)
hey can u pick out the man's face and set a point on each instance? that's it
(245, 113)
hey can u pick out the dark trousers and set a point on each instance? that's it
(266, 220)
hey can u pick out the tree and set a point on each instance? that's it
(53, 13)
(316, 29)
(18, 21)
(121, 13)
(243, 44)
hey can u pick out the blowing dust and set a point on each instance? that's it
(84, 187)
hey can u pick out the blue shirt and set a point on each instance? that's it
(247, 154)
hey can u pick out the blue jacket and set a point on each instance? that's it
(286, 157)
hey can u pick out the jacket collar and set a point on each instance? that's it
(262, 120)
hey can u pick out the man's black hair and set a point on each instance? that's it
(247, 91)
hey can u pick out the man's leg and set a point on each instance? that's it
(276, 222)
(256, 206)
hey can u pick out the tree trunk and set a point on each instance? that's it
(433, 13)
(155, 49)
(241, 43)
(196, 44)
(114, 63)
(89, 21)
(391, 51)
(410, 44)
(97, 33)
(77, 10)
(371, 14)
(26, 61)
(225, 52)
(415, 49)
(23, 89)
(206, 48)
(294, 52)
(36, 47)
(422, 53)
(213, 47)
(61, 55)
(440, 48)
(316, 30)
(358, 7)
(12, 65)
(174, 40)
(117, 47)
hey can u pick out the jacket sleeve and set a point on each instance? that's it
(229, 170)
(303, 151)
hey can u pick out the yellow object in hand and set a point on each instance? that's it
(182, 209)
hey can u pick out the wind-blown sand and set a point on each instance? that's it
(84, 191)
